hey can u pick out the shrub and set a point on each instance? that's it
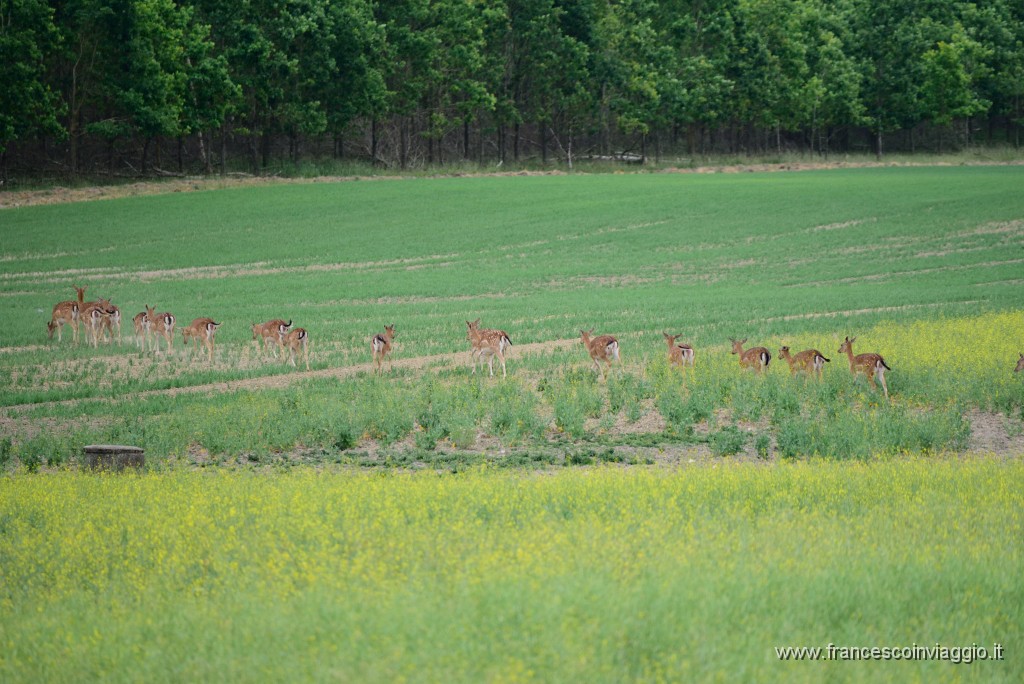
(727, 441)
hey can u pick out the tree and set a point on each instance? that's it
(951, 70)
(28, 105)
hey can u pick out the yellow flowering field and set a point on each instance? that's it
(602, 574)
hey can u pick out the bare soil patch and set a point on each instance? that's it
(995, 433)
(61, 195)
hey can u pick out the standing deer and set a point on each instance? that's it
(871, 365)
(1020, 364)
(601, 348)
(96, 315)
(161, 324)
(141, 324)
(678, 354)
(67, 312)
(201, 329)
(111, 322)
(380, 347)
(757, 358)
(63, 313)
(810, 361)
(271, 332)
(297, 341)
(489, 343)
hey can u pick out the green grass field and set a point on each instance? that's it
(433, 525)
(922, 264)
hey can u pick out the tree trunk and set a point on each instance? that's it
(515, 144)
(403, 152)
(544, 142)
(223, 150)
(465, 138)
(254, 153)
(203, 154)
(878, 144)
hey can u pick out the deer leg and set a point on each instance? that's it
(885, 388)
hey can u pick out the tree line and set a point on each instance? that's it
(164, 86)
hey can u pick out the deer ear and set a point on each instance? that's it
(743, 340)
(853, 339)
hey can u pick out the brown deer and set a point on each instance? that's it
(67, 312)
(809, 361)
(112, 321)
(141, 324)
(271, 332)
(63, 313)
(871, 365)
(201, 329)
(161, 324)
(1020, 364)
(678, 354)
(297, 341)
(380, 347)
(757, 358)
(489, 343)
(95, 316)
(601, 348)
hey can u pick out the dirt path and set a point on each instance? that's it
(416, 363)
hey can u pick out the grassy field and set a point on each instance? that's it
(922, 264)
(432, 525)
(603, 575)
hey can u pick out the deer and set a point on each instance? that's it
(757, 358)
(871, 365)
(297, 341)
(63, 313)
(601, 348)
(271, 332)
(489, 343)
(95, 316)
(1020, 364)
(112, 321)
(678, 354)
(141, 324)
(201, 329)
(161, 324)
(810, 361)
(67, 312)
(380, 347)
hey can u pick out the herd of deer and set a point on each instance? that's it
(101, 318)
(811, 361)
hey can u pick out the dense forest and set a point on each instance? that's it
(130, 87)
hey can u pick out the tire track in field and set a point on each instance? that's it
(415, 363)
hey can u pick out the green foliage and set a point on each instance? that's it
(728, 441)
(29, 104)
(613, 73)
